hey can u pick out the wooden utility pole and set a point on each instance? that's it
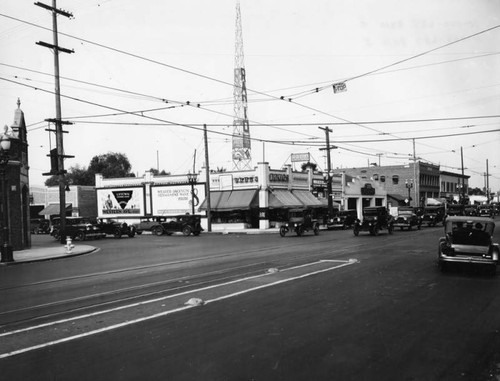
(207, 178)
(328, 164)
(58, 120)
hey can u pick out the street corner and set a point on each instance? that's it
(50, 253)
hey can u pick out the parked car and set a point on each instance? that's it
(470, 210)
(375, 218)
(115, 228)
(79, 228)
(433, 215)
(407, 218)
(39, 226)
(300, 221)
(485, 210)
(148, 224)
(343, 219)
(454, 210)
(184, 223)
(468, 240)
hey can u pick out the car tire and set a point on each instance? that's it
(283, 231)
(316, 230)
(80, 235)
(355, 230)
(186, 230)
(158, 230)
(299, 231)
(117, 233)
(196, 233)
(376, 231)
(390, 229)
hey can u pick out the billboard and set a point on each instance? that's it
(176, 199)
(120, 202)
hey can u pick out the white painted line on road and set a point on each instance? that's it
(165, 313)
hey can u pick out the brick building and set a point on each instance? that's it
(16, 184)
(417, 181)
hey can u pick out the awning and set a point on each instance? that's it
(53, 209)
(222, 201)
(282, 198)
(397, 197)
(307, 198)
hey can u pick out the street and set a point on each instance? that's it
(251, 307)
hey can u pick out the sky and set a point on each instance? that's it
(145, 76)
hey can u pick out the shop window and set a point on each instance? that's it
(382, 179)
(375, 177)
(395, 179)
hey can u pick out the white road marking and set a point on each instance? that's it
(169, 312)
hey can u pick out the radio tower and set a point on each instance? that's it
(242, 158)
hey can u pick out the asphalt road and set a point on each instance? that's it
(259, 307)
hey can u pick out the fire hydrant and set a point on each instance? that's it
(69, 245)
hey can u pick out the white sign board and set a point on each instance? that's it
(120, 202)
(176, 199)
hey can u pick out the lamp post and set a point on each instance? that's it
(192, 177)
(6, 250)
(409, 185)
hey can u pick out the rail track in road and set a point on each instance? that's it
(164, 278)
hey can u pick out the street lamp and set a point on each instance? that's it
(6, 250)
(192, 177)
(409, 185)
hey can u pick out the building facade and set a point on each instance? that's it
(411, 184)
(81, 201)
(16, 185)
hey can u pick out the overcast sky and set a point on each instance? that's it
(430, 66)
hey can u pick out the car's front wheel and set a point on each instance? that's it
(117, 233)
(158, 230)
(80, 235)
(316, 230)
(186, 230)
(283, 231)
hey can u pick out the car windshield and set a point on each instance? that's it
(371, 212)
(470, 232)
(297, 214)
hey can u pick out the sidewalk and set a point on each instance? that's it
(47, 251)
(44, 248)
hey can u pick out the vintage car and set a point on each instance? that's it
(375, 218)
(433, 215)
(468, 240)
(148, 224)
(184, 223)
(39, 226)
(79, 228)
(485, 210)
(342, 219)
(299, 221)
(115, 228)
(454, 210)
(407, 218)
(470, 210)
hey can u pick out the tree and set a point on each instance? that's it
(313, 166)
(109, 165)
(155, 172)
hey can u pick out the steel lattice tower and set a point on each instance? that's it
(241, 153)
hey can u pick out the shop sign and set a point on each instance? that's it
(299, 157)
(120, 202)
(279, 178)
(246, 179)
(368, 190)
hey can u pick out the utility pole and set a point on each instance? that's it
(328, 164)
(487, 183)
(58, 120)
(207, 168)
(463, 177)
